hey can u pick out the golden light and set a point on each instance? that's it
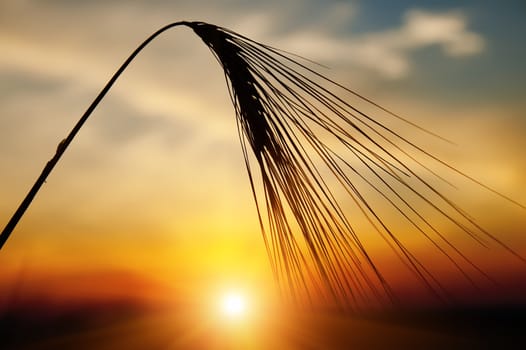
(233, 305)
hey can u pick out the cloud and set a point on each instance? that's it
(389, 52)
(447, 30)
(77, 61)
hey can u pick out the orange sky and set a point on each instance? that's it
(154, 192)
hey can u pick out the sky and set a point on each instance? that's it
(153, 192)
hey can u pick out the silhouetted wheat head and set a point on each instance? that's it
(310, 146)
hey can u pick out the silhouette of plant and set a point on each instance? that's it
(310, 146)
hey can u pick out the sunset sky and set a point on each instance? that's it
(152, 199)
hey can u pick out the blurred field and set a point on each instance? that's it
(128, 326)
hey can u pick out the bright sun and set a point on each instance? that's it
(233, 305)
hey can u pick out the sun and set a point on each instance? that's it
(233, 305)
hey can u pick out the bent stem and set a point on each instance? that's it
(63, 145)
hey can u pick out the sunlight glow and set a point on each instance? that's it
(233, 305)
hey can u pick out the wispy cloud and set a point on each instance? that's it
(448, 30)
(389, 52)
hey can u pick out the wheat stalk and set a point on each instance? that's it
(310, 145)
